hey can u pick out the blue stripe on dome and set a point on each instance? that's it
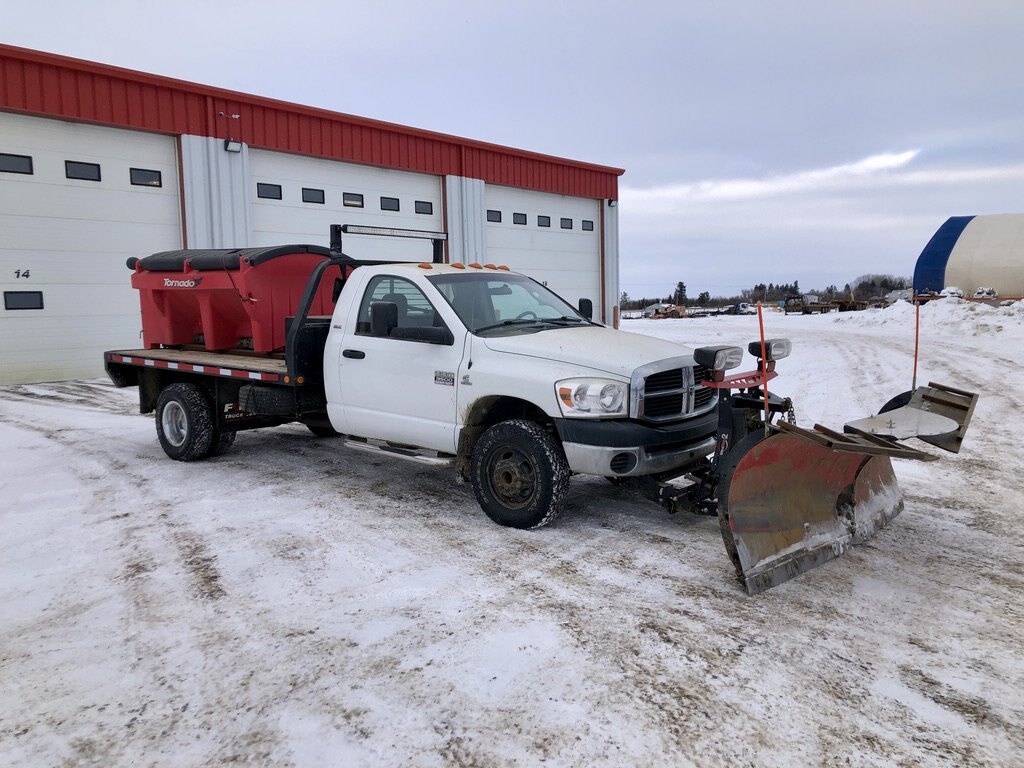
(930, 272)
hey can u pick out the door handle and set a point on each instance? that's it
(354, 354)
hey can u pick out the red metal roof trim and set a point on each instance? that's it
(48, 85)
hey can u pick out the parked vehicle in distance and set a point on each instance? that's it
(806, 304)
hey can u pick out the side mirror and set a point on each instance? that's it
(383, 317)
(587, 308)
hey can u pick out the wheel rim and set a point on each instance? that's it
(174, 423)
(512, 477)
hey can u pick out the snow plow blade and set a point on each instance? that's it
(937, 414)
(799, 498)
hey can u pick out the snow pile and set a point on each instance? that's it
(970, 317)
(899, 314)
(992, 329)
(973, 318)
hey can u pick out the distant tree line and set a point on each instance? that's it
(863, 288)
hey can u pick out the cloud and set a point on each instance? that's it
(888, 169)
(822, 225)
(834, 177)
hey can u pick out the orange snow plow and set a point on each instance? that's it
(796, 498)
(789, 499)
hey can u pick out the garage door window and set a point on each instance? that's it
(15, 163)
(543, 221)
(141, 177)
(312, 196)
(424, 206)
(269, 191)
(352, 200)
(389, 203)
(566, 223)
(518, 218)
(84, 171)
(494, 216)
(23, 299)
(588, 226)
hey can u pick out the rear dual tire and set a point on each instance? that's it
(186, 424)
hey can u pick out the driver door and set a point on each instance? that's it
(400, 389)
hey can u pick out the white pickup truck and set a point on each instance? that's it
(469, 364)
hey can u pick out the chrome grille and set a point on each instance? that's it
(662, 406)
(702, 396)
(670, 394)
(665, 381)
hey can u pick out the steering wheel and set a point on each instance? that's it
(522, 315)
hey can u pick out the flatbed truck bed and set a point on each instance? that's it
(257, 368)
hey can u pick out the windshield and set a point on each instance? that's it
(493, 303)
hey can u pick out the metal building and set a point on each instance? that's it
(99, 163)
(972, 252)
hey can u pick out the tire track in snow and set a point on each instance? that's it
(161, 556)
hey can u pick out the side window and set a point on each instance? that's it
(414, 309)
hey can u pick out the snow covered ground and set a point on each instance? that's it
(296, 603)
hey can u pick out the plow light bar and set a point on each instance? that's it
(774, 349)
(355, 229)
(718, 358)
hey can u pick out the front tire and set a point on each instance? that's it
(184, 422)
(519, 474)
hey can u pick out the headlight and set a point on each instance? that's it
(592, 398)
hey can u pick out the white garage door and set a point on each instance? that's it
(552, 238)
(76, 201)
(296, 199)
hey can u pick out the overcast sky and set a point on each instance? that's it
(762, 141)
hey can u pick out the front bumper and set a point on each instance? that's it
(623, 448)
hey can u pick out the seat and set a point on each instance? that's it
(399, 300)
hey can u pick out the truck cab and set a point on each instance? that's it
(437, 356)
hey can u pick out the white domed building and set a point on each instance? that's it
(975, 253)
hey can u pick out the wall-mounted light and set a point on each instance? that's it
(612, 203)
(230, 145)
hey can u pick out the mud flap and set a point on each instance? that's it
(789, 502)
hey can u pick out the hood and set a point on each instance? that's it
(602, 349)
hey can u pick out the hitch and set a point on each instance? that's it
(692, 492)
